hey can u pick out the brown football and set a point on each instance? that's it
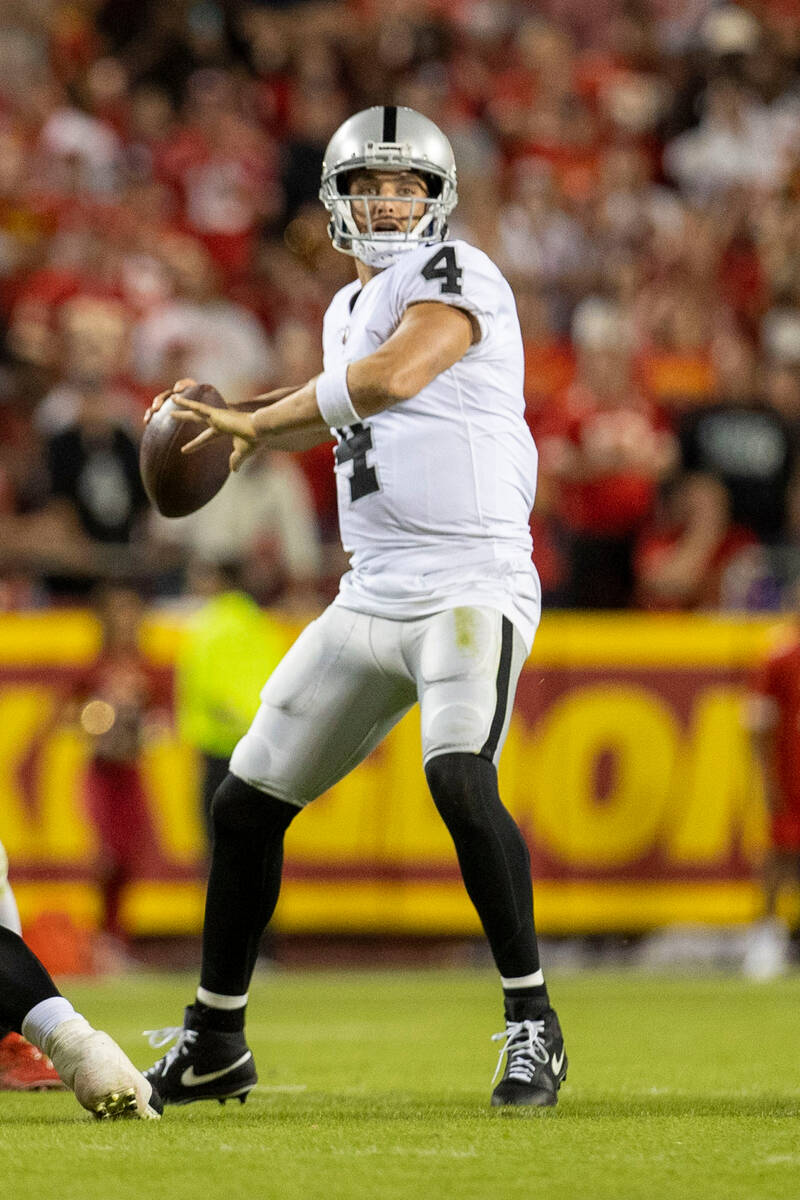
(179, 484)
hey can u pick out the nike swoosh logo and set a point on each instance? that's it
(189, 1079)
(557, 1063)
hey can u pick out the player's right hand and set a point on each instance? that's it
(238, 425)
(262, 401)
(162, 397)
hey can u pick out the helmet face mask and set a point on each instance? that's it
(387, 140)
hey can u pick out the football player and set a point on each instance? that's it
(436, 473)
(89, 1062)
(23, 1068)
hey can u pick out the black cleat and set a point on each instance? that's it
(536, 1062)
(155, 1102)
(204, 1064)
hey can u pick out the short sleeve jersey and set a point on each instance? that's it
(435, 493)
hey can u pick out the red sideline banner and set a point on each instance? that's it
(627, 766)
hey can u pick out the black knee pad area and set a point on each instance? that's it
(237, 806)
(463, 786)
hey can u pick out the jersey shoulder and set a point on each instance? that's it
(453, 273)
(478, 259)
(431, 262)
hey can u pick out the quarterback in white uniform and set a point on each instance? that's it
(436, 475)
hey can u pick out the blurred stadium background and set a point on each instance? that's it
(634, 168)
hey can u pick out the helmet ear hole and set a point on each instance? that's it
(343, 180)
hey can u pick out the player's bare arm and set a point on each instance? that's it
(182, 385)
(430, 338)
(240, 430)
(297, 426)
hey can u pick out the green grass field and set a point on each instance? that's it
(377, 1085)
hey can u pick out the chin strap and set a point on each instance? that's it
(381, 256)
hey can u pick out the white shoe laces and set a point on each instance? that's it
(183, 1038)
(522, 1042)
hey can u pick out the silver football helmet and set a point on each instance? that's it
(388, 138)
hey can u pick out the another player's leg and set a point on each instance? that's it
(9, 913)
(90, 1063)
(23, 1067)
(469, 666)
(322, 711)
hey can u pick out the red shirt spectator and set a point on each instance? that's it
(607, 457)
(681, 559)
(224, 169)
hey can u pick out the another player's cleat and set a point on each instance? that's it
(23, 1068)
(536, 1062)
(204, 1064)
(116, 1104)
(103, 1079)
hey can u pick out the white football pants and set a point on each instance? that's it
(350, 677)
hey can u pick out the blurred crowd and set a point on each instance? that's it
(633, 166)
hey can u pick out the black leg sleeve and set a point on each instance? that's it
(24, 982)
(243, 884)
(492, 854)
(215, 771)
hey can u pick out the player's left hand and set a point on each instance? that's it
(218, 421)
(160, 400)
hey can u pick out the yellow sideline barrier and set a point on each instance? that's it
(626, 766)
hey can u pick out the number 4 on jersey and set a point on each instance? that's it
(353, 447)
(443, 266)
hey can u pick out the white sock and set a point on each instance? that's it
(523, 981)
(9, 913)
(45, 1017)
(218, 1000)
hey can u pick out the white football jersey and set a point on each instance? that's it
(435, 493)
